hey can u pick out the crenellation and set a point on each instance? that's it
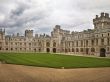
(91, 41)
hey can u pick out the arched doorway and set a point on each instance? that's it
(48, 50)
(54, 50)
(102, 52)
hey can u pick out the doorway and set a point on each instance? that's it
(102, 52)
(48, 50)
(54, 50)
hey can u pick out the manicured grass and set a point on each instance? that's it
(53, 60)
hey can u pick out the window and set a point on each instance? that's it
(92, 42)
(72, 49)
(97, 35)
(108, 41)
(77, 50)
(15, 48)
(25, 44)
(20, 43)
(20, 48)
(48, 44)
(107, 48)
(77, 43)
(72, 43)
(81, 50)
(96, 42)
(86, 42)
(92, 50)
(0, 48)
(6, 43)
(29, 44)
(102, 35)
(54, 44)
(102, 41)
(15, 43)
(6, 48)
(11, 43)
(11, 48)
(81, 43)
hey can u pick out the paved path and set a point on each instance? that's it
(19, 73)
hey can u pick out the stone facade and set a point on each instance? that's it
(88, 42)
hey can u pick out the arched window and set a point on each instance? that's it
(48, 44)
(92, 50)
(54, 44)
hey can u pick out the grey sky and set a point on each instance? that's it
(43, 15)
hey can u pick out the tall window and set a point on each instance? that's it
(92, 42)
(96, 42)
(48, 44)
(102, 41)
(0, 48)
(86, 42)
(54, 44)
(81, 43)
(108, 41)
(73, 44)
(77, 50)
(77, 43)
(72, 49)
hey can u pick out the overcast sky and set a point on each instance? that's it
(43, 15)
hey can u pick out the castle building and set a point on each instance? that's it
(88, 42)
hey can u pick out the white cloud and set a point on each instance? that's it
(45, 14)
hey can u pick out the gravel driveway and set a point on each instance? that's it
(20, 73)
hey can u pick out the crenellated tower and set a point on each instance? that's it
(29, 33)
(102, 21)
(2, 34)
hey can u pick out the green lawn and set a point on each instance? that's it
(53, 60)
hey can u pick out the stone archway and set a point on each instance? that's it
(48, 50)
(102, 52)
(54, 50)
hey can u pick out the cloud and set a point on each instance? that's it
(43, 15)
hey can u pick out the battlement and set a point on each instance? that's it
(29, 33)
(57, 27)
(102, 21)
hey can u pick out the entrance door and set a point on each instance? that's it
(54, 50)
(102, 52)
(48, 50)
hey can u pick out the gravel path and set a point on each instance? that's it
(19, 73)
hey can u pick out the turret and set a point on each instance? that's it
(2, 34)
(102, 21)
(29, 33)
